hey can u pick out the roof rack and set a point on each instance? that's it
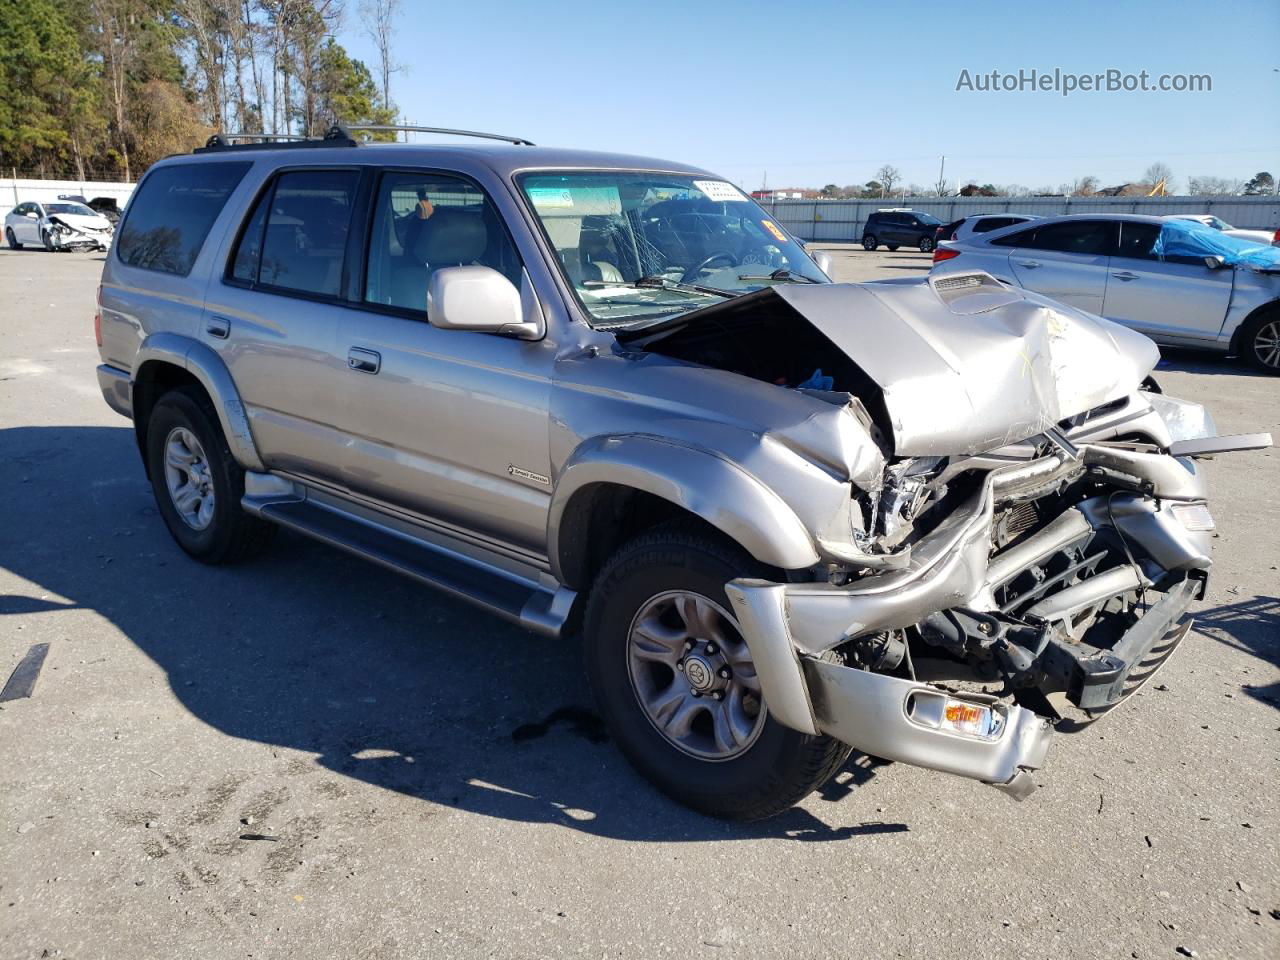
(338, 135)
(389, 127)
(333, 137)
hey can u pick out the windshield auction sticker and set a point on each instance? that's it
(720, 191)
(543, 197)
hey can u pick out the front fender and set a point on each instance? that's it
(702, 482)
(203, 363)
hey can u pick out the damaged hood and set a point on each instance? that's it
(78, 221)
(969, 365)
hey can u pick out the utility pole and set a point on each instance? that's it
(942, 176)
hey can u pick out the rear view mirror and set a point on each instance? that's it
(482, 300)
(823, 260)
(1215, 262)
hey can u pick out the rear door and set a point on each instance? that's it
(1175, 299)
(1066, 261)
(275, 317)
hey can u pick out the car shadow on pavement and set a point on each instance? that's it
(1187, 360)
(1252, 625)
(380, 678)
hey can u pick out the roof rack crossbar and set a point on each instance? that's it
(333, 137)
(389, 127)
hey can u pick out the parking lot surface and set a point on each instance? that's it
(308, 756)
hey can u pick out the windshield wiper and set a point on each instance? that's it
(659, 282)
(782, 274)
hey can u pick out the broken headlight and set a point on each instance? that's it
(1185, 420)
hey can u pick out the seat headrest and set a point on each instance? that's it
(451, 237)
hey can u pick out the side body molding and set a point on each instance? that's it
(702, 482)
(205, 365)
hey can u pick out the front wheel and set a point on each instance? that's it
(869, 242)
(676, 684)
(13, 240)
(926, 244)
(1261, 342)
(48, 241)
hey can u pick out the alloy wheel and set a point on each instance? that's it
(1266, 344)
(188, 478)
(693, 676)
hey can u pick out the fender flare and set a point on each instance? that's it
(694, 478)
(203, 363)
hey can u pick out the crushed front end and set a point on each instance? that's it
(1026, 589)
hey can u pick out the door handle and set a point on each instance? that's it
(1029, 264)
(364, 361)
(1125, 275)
(219, 327)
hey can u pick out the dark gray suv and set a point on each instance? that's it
(900, 228)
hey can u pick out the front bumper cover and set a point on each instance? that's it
(788, 627)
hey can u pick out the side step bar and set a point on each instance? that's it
(498, 591)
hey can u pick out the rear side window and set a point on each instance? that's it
(987, 224)
(1077, 236)
(1023, 238)
(295, 239)
(170, 217)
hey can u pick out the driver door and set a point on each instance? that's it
(451, 425)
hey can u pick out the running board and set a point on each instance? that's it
(498, 591)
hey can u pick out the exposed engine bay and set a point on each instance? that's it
(1024, 556)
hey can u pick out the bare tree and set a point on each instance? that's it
(116, 22)
(1158, 172)
(379, 17)
(1213, 186)
(1084, 186)
(887, 176)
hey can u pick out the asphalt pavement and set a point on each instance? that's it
(308, 756)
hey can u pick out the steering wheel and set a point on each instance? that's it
(691, 274)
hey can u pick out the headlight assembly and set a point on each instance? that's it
(1185, 420)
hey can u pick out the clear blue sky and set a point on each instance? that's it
(828, 91)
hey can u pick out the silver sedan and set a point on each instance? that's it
(1180, 283)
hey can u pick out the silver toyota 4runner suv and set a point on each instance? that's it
(609, 395)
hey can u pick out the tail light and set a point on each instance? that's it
(1275, 239)
(97, 317)
(942, 253)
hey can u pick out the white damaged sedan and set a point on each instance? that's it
(57, 225)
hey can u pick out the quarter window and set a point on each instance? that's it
(424, 222)
(172, 214)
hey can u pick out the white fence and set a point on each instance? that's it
(842, 220)
(41, 191)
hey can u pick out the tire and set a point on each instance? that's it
(926, 244)
(869, 242)
(13, 241)
(221, 532)
(48, 244)
(1260, 342)
(774, 767)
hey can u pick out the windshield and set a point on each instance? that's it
(639, 246)
(77, 208)
(928, 219)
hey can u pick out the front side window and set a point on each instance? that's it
(1137, 240)
(424, 222)
(637, 246)
(172, 214)
(296, 237)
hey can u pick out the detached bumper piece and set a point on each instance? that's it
(906, 721)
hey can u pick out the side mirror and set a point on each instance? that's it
(823, 260)
(31, 215)
(481, 299)
(1215, 262)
